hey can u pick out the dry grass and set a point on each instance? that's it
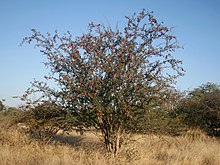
(194, 148)
(185, 150)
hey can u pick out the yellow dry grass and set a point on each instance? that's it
(194, 148)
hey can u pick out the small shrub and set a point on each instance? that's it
(194, 134)
(45, 120)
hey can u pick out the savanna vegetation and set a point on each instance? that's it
(192, 147)
(200, 108)
(113, 101)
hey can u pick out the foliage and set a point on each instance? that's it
(8, 114)
(201, 108)
(160, 120)
(157, 122)
(44, 120)
(108, 77)
(2, 107)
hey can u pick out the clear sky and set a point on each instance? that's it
(196, 22)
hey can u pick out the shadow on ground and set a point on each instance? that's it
(75, 140)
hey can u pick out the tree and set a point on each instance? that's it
(107, 77)
(2, 107)
(201, 108)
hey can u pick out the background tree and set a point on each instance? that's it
(201, 108)
(108, 77)
(2, 107)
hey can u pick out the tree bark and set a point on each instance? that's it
(112, 141)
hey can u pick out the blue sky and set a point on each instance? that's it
(196, 22)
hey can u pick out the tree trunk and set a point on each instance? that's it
(113, 141)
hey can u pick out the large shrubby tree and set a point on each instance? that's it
(108, 77)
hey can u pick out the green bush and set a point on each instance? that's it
(44, 120)
(157, 122)
(2, 107)
(201, 109)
